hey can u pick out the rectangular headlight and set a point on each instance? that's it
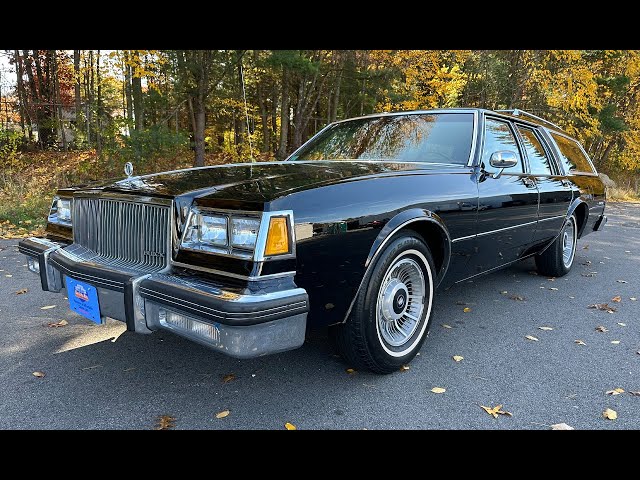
(213, 230)
(244, 232)
(205, 232)
(60, 210)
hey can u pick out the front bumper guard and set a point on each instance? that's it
(239, 323)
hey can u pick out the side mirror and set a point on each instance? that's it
(503, 159)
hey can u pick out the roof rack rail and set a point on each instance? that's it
(530, 116)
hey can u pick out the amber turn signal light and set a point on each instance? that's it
(277, 237)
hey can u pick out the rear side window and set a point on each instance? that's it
(572, 156)
(539, 162)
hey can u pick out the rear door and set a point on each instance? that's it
(554, 189)
(507, 205)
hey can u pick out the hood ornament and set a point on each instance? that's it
(128, 169)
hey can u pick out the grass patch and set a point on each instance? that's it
(622, 194)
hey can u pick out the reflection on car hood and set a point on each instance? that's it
(259, 182)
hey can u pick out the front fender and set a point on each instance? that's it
(400, 221)
(407, 219)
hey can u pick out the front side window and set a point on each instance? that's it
(571, 154)
(430, 138)
(539, 162)
(498, 137)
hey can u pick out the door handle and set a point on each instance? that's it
(529, 182)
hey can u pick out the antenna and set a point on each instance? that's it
(246, 112)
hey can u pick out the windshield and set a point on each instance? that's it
(430, 138)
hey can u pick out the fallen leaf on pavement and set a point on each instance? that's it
(458, 358)
(290, 426)
(446, 326)
(617, 299)
(622, 281)
(635, 394)
(545, 328)
(438, 390)
(47, 307)
(495, 411)
(21, 291)
(590, 274)
(466, 309)
(610, 414)
(504, 292)
(61, 323)
(615, 342)
(553, 288)
(223, 414)
(603, 307)
(588, 262)
(228, 378)
(350, 371)
(586, 247)
(404, 368)
(38, 374)
(561, 426)
(520, 298)
(531, 337)
(165, 422)
(633, 299)
(579, 342)
(601, 329)
(615, 391)
(622, 324)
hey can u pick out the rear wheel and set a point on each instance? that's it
(557, 260)
(390, 317)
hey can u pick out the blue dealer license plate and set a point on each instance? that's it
(83, 299)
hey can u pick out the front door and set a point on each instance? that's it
(508, 204)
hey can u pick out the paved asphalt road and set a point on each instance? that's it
(105, 378)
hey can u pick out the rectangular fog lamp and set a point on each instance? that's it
(190, 325)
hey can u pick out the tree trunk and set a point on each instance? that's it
(78, 97)
(138, 104)
(22, 97)
(127, 88)
(198, 130)
(336, 99)
(58, 101)
(284, 116)
(99, 108)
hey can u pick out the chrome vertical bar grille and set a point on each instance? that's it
(121, 233)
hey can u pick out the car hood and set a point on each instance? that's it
(257, 182)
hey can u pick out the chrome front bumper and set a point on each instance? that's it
(239, 322)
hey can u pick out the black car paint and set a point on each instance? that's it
(344, 211)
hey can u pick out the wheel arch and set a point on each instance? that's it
(423, 222)
(581, 209)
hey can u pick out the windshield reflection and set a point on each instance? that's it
(430, 138)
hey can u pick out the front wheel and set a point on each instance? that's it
(390, 317)
(557, 260)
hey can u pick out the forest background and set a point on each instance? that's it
(69, 116)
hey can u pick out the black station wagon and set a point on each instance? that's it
(355, 231)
